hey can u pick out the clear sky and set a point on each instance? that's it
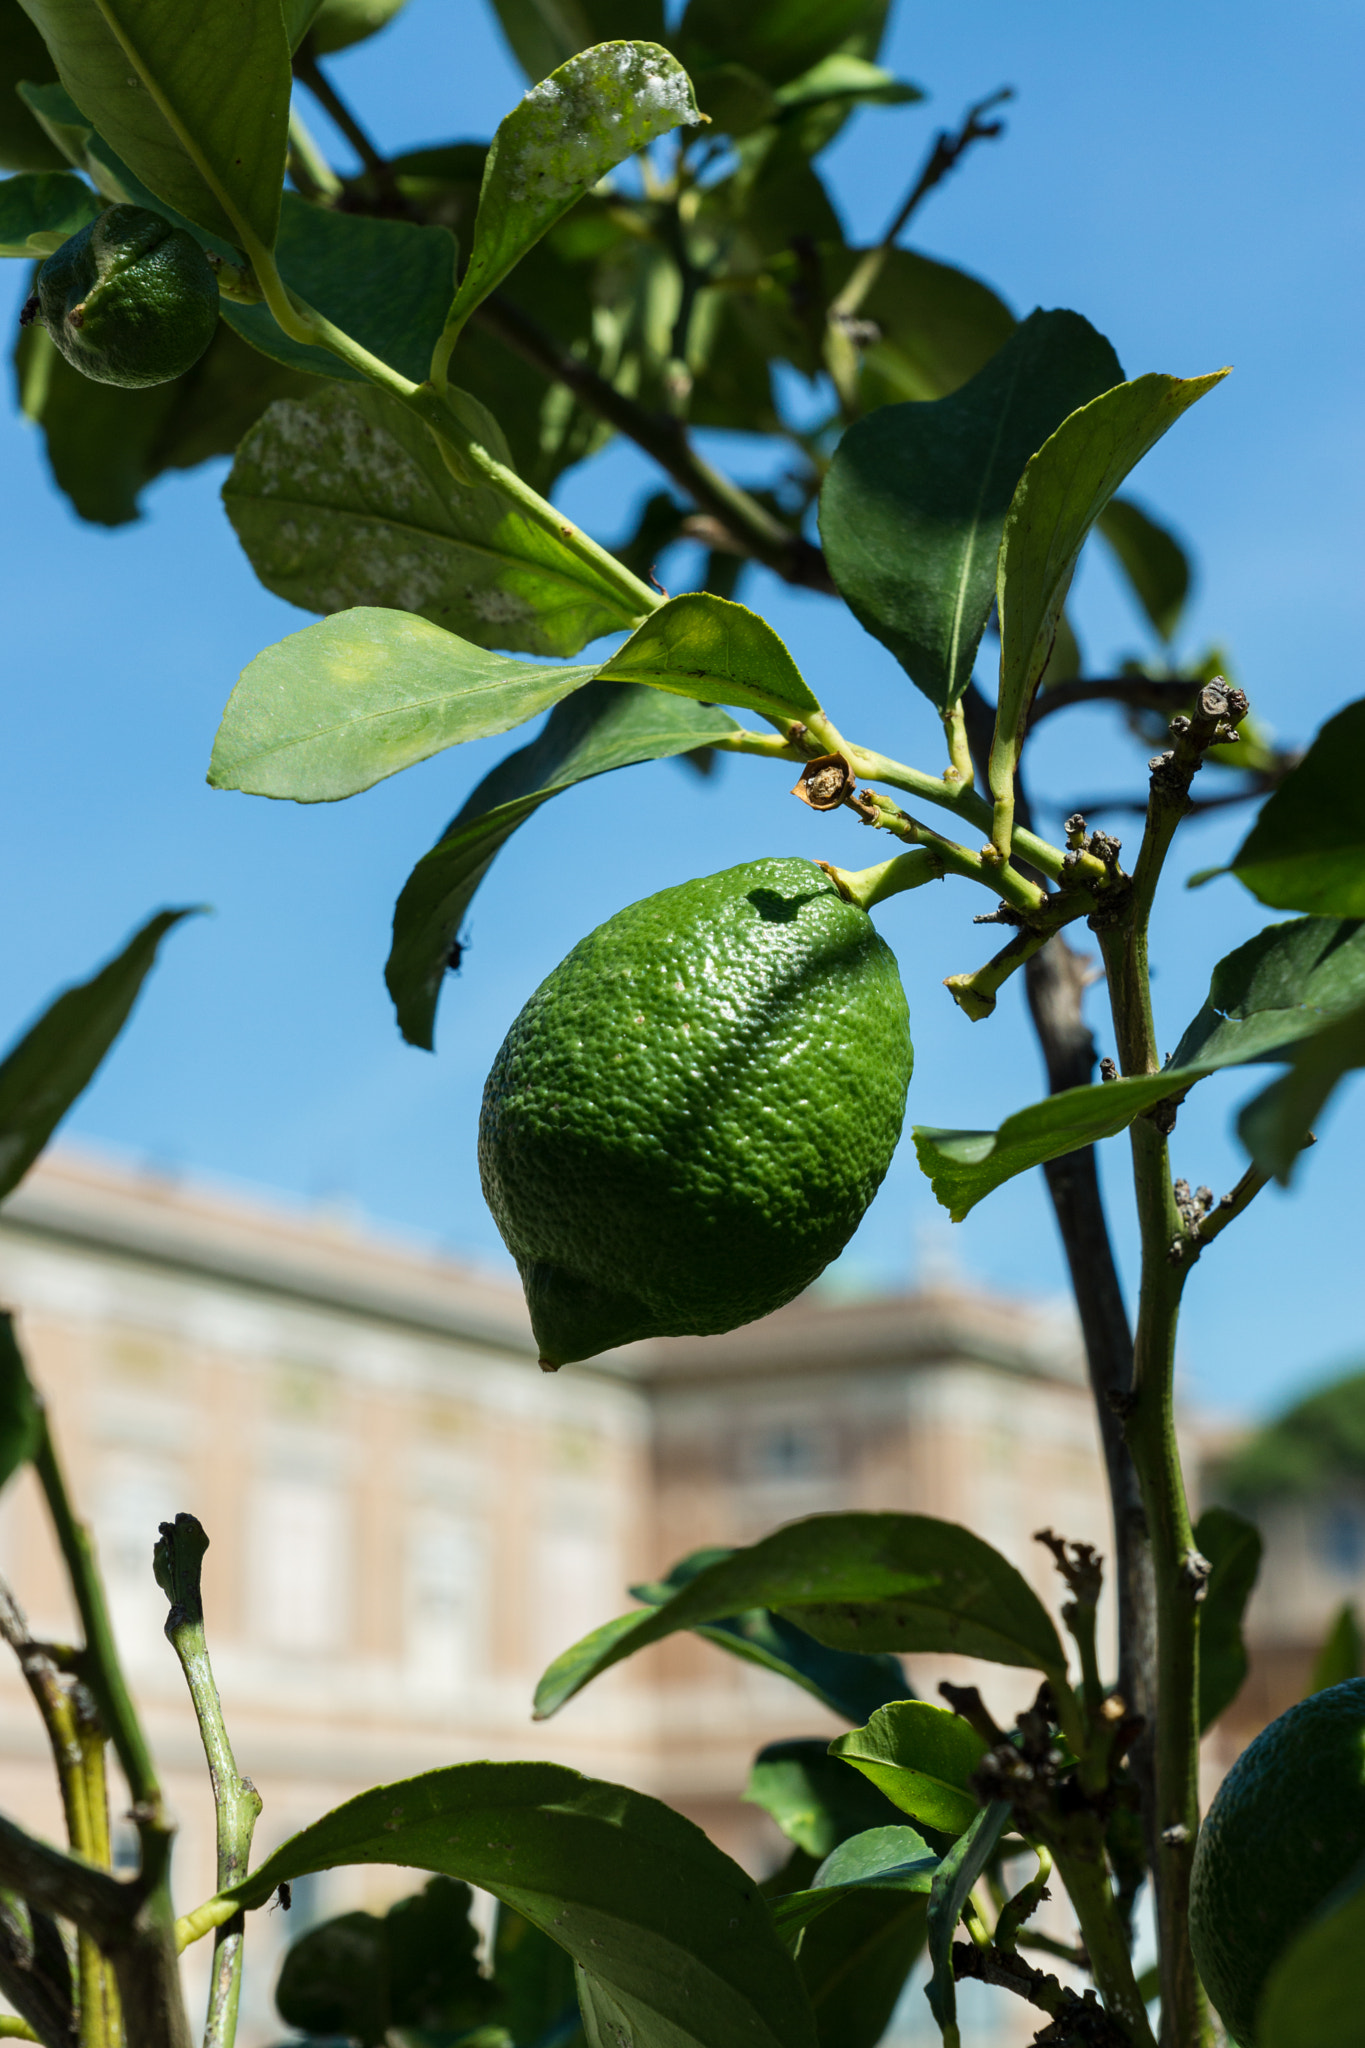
(1190, 179)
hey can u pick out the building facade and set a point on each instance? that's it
(408, 1520)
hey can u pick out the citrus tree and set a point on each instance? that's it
(690, 1117)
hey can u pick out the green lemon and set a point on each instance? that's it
(1286, 1826)
(130, 300)
(689, 1118)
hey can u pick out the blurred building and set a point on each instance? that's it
(408, 1520)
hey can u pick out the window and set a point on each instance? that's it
(1341, 1537)
(445, 1599)
(303, 1564)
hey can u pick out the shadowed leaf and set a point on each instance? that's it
(1232, 1546)
(1306, 850)
(42, 209)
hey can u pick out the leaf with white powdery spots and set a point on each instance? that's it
(341, 499)
(570, 130)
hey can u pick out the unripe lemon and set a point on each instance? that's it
(1286, 1826)
(689, 1118)
(130, 300)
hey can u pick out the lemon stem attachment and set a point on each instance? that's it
(869, 886)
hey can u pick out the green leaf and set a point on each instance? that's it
(852, 1683)
(704, 646)
(543, 34)
(673, 1933)
(914, 504)
(1061, 494)
(842, 76)
(338, 24)
(105, 444)
(336, 708)
(816, 1800)
(599, 728)
(59, 1056)
(1232, 1546)
(1315, 1995)
(893, 1859)
(1152, 559)
(952, 1885)
(601, 106)
(922, 1757)
(1275, 1125)
(1306, 850)
(965, 1166)
(24, 144)
(386, 283)
(21, 1415)
(854, 1582)
(1342, 1655)
(341, 499)
(1287, 984)
(42, 209)
(778, 39)
(937, 327)
(1280, 987)
(195, 100)
(854, 1961)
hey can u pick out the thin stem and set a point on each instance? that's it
(1229, 1209)
(1087, 1884)
(178, 1562)
(869, 886)
(758, 531)
(946, 152)
(308, 166)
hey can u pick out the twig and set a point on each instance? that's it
(307, 68)
(1080, 2016)
(946, 152)
(1138, 692)
(178, 1561)
(1216, 1220)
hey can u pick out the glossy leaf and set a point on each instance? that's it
(599, 728)
(59, 1056)
(914, 504)
(877, 1582)
(952, 1885)
(21, 1417)
(24, 144)
(777, 39)
(387, 283)
(814, 1798)
(195, 100)
(543, 34)
(1232, 1546)
(341, 499)
(104, 444)
(1061, 494)
(705, 647)
(336, 708)
(893, 1859)
(40, 210)
(1342, 1655)
(1315, 1995)
(1286, 985)
(922, 1757)
(849, 1682)
(1152, 559)
(1275, 1125)
(937, 327)
(843, 77)
(570, 130)
(1306, 850)
(854, 1961)
(673, 1933)
(965, 1166)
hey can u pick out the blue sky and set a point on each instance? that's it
(1190, 180)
